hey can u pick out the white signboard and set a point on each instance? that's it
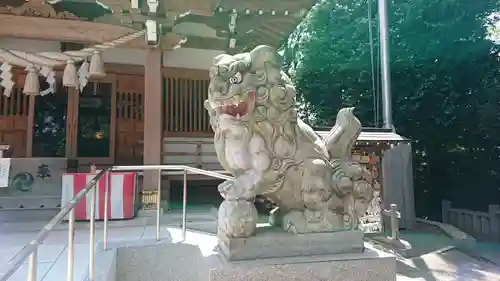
(4, 172)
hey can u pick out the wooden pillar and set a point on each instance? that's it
(152, 117)
(31, 124)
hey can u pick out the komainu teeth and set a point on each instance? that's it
(238, 116)
(237, 99)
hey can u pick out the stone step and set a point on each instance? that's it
(30, 202)
(16, 215)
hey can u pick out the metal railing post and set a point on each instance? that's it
(92, 232)
(394, 221)
(184, 205)
(106, 203)
(32, 266)
(394, 217)
(158, 207)
(71, 236)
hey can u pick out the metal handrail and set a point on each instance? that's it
(173, 168)
(30, 250)
(160, 168)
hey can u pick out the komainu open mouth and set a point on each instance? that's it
(237, 106)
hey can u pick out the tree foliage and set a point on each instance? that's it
(445, 72)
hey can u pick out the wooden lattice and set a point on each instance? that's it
(184, 113)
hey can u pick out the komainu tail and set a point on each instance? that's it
(343, 135)
(339, 142)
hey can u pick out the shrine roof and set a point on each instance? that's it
(257, 22)
(371, 134)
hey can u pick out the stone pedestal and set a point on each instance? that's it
(401, 247)
(369, 265)
(274, 255)
(272, 242)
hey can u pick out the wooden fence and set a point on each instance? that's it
(481, 225)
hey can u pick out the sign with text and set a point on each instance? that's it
(4, 172)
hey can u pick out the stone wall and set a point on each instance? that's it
(34, 183)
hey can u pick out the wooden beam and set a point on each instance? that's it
(277, 28)
(60, 30)
(266, 38)
(198, 7)
(126, 69)
(138, 70)
(293, 6)
(35, 8)
(218, 23)
(92, 33)
(169, 41)
(185, 73)
(269, 33)
(206, 43)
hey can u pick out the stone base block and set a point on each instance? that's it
(370, 265)
(400, 246)
(271, 242)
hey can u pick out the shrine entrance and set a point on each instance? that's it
(49, 124)
(76, 125)
(90, 127)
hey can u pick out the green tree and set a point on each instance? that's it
(445, 73)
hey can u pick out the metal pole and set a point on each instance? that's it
(32, 266)
(71, 236)
(106, 198)
(92, 233)
(184, 206)
(158, 207)
(214, 174)
(385, 64)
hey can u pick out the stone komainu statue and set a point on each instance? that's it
(271, 152)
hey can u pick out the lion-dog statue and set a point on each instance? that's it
(271, 152)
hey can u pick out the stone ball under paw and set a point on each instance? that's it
(237, 218)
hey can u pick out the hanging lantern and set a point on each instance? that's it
(31, 84)
(70, 76)
(96, 69)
